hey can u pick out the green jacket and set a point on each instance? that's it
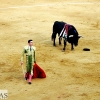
(30, 57)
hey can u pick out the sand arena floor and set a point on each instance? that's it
(71, 75)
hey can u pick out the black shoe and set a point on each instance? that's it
(29, 83)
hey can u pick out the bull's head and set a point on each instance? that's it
(75, 39)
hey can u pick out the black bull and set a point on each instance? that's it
(72, 36)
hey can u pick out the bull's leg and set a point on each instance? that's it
(60, 40)
(54, 38)
(64, 45)
(72, 47)
(54, 44)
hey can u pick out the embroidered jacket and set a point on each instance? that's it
(30, 57)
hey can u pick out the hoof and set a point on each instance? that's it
(63, 50)
(54, 45)
(72, 49)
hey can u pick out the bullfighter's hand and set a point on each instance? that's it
(21, 63)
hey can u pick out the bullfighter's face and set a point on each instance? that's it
(31, 43)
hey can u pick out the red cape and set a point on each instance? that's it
(37, 72)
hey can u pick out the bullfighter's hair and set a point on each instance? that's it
(30, 40)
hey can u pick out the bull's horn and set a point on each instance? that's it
(80, 36)
(71, 36)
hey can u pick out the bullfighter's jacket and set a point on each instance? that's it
(30, 57)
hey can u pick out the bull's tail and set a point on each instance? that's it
(53, 36)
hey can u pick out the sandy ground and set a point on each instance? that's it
(71, 75)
